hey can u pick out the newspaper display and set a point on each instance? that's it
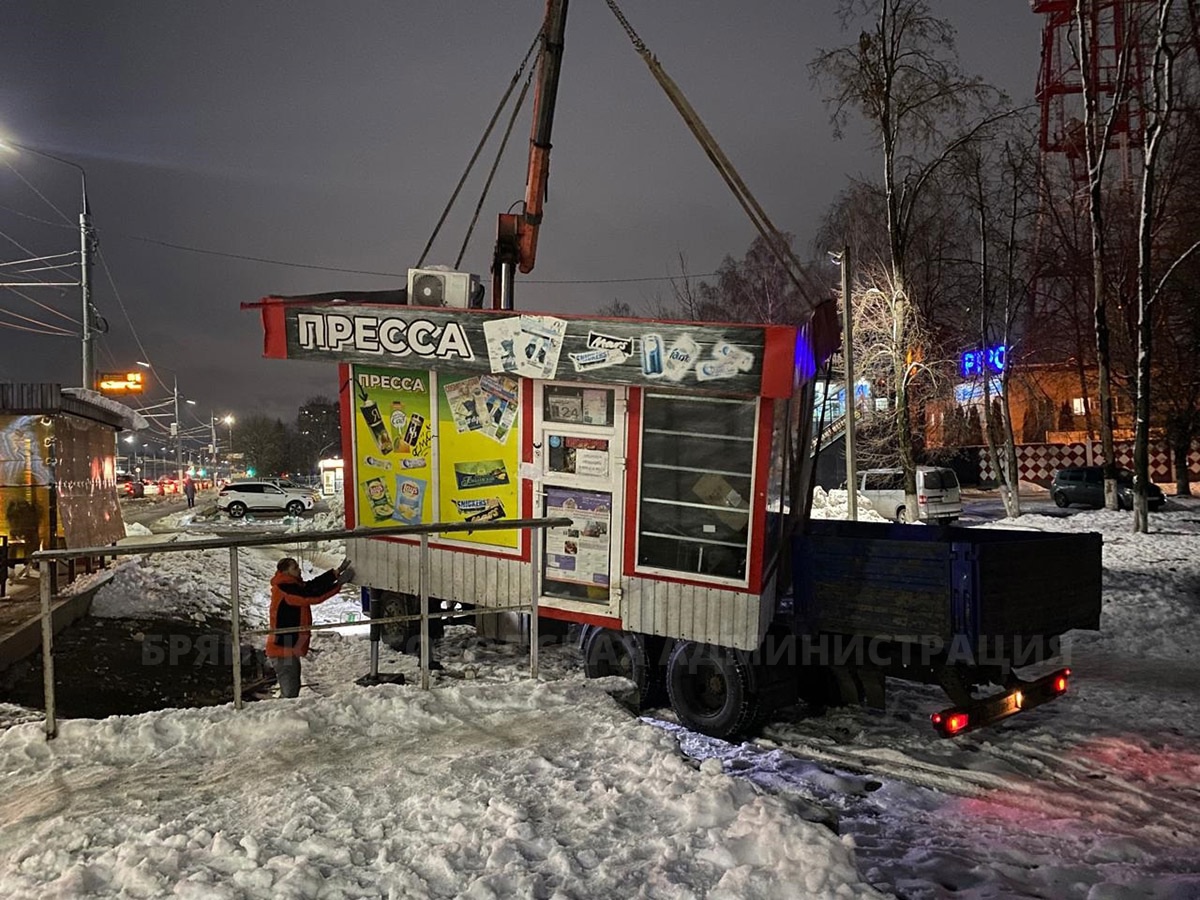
(478, 454)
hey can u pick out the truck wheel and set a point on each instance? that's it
(607, 651)
(902, 515)
(712, 689)
(1061, 501)
(405, 637)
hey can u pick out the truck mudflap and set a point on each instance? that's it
(1022, 696)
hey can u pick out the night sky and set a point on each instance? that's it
(332, 134)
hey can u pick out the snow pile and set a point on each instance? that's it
(529, 790)
(195, 584)
(836, 505)
(181, 519)
(192, 585)
(136, 529)
(329, 518)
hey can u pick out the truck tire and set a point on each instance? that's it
(712, 689)
(1061, 501)
(405, 637)
(607, 651)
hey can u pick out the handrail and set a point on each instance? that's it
(301, 537)
(46, 558)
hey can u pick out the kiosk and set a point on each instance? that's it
(656, 438)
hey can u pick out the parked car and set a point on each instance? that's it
(1085, 485)
(939, 499)
(128, 486)
(289, 485)
(237, 497)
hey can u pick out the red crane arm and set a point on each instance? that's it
(517, 233)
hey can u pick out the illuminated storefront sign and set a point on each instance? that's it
(973, 363)
(120, 383)
(972, 391)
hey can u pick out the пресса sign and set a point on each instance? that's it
(725, 358)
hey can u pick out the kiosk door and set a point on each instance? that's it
(579, 450)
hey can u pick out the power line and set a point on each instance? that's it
(12, 327)
(29, 185)
(34, 322)
(121, 303)
(21, 262)
(40, 221)
(49, 309)
(346, 271)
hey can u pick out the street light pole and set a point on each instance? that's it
(86, 244)
(175, 432)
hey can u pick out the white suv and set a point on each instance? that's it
(239, 496)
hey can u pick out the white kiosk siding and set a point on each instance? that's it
(709, 615)
(490, 581)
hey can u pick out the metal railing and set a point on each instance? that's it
(47, 558)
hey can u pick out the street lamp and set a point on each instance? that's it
(86, 242)
(176, 430)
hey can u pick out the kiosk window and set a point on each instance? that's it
(697, 468)
(578, 406)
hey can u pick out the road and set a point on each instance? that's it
(148, 510)
(986, 506)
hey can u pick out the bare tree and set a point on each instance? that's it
(902, 76)
(998, 179)
(1158, 111)
(1098, 131)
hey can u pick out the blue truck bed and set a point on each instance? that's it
(988, 587)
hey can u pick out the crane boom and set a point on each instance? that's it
(517, 233)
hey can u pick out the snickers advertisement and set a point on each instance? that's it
(716, 358)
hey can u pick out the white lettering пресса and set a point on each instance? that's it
(369, 334)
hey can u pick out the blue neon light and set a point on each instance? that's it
(973, 363)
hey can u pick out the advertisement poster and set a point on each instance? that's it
(478, 454)
(525, 345)
(578, 554)
(392, 446)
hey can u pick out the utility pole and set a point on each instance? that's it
(86, 245)
(175, 430)
(85, 286)
(851, 398)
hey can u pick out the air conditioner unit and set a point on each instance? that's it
(443, 287)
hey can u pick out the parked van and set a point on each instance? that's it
(938, 498)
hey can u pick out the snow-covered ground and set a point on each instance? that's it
(494, 785)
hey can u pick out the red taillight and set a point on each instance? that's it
(951, 724)
(921, 498)
(1060, 684)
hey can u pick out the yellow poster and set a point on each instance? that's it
(478, 454)
(393, 449)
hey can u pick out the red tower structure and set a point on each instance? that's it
(1114, 40)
